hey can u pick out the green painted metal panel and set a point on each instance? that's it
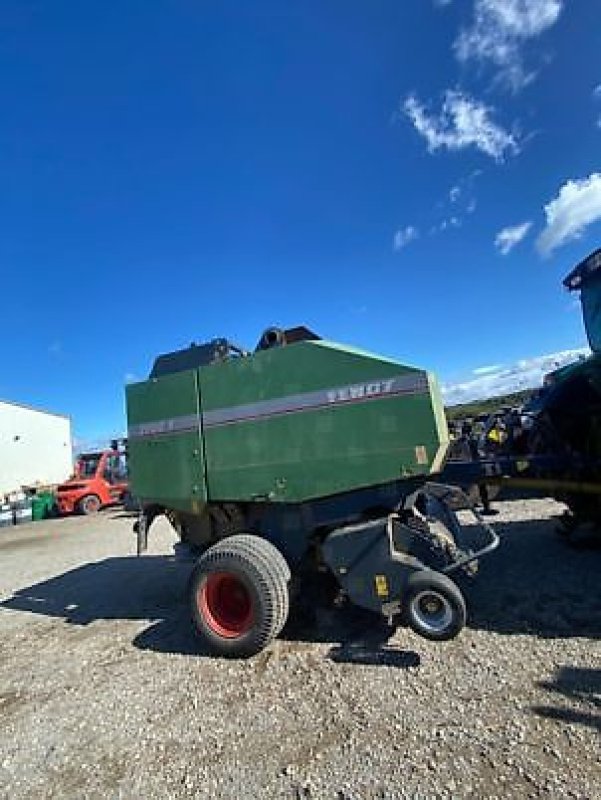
(325, 448)
(162, 398)
(284, 371)
(287, 424)
(166, 456)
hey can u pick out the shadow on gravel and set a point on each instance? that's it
(154, 588)
(362, 655)
(175, 636)
(582, 687)
(115, 588)
(536, 583)
(357, 636)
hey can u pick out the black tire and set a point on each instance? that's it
(239, 595)
(89, 505)
(433, 606)
(273, 559)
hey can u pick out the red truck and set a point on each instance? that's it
(100, 479)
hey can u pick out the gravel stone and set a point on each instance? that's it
(105, 693)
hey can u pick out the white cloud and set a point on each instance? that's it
(450, 222)
(403, 236)
(445, 224)
(577, 205)
(463, 122)
(527, 373)
(488, 370)
(498, 33)
(509, 237)
(458, 205)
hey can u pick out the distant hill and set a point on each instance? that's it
(489, 405)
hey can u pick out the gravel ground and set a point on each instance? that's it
(104, 693)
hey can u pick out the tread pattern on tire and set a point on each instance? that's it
(274, 561)
(269, 572)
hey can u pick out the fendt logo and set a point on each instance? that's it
(360, 391)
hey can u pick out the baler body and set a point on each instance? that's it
(302, 458)
(283, 425)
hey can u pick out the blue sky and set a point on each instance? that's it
(413, 177)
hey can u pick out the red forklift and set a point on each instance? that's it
(100, 479)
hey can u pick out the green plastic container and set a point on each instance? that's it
(42, 506)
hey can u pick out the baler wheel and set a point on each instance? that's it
(261, 548)
(434, 606)
(90, 504)
(239, 595)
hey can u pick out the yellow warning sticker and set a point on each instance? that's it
(381, 585)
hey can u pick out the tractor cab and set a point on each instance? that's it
(586, 277)
(568, 407)
(88, 465)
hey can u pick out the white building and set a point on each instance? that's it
(35, 447)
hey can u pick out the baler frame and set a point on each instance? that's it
(305, 453)
(376, 561)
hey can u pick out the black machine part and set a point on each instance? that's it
(584, 271)
(374, 562)
(278, 337)
(197, 355)
(201, 355)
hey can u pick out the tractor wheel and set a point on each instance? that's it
(434, 606)
(239, 595)
(88, 505)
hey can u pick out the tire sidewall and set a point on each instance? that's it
(251, 640)
(84, 500)
(424, 582)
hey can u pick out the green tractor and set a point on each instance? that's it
(568, 410)
(302, 455)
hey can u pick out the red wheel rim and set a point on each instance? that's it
(225, 604)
